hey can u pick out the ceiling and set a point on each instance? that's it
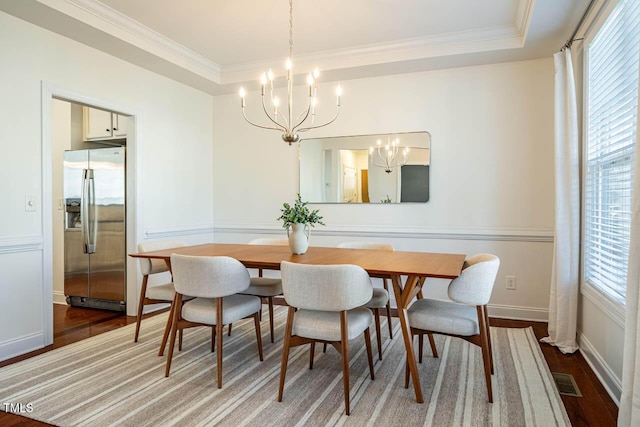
(217, 45)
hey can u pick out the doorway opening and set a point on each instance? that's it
(67, 128)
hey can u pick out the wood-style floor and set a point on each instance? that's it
(595, 408)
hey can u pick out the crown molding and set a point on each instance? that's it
(485, 39)
(116, 24)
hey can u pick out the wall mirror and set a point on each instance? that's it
(383, 168)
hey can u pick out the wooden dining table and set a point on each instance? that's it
(416, 266)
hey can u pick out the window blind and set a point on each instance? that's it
(612, 104)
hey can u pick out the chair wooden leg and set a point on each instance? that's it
(432, 343)
(270, 301)
(213, 339)
(256, 322)
(167, 328)
(420, 345)
(312, 351)
(406, 367)
(229, 332)
(486, 322)
(389, 324)
(324, 348)
(143, 291)
(345, 359)
(367, 343)
(376, 318)
(219, 340)
(180, 340)
(285, 352)
(485, 352)
(174, 326)
(406, 373)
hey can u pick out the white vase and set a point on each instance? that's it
(298, 238)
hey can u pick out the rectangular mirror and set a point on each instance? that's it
(383, 168)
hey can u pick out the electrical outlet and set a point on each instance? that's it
(511, 283)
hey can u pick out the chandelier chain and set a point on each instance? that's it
(290, 28)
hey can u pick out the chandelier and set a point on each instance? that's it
(387, 157)
(287, 123)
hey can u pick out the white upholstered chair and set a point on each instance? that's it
(154, 294)
(326, 305)
(215, 283)
(466, 316)
(266, 287)
(380, 297)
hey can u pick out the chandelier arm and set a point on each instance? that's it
(264, 107)
(306, 114)
(277, 110)
(303, 113)
(324, 124)
(260, 126)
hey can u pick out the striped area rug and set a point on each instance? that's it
(110, 380)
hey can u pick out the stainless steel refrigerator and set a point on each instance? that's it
(95, 232)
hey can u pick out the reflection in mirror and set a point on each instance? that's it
(385, 168)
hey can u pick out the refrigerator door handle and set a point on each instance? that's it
(84, 212)
(92, 219)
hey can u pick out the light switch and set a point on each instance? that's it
(30, 203)
(60, 204)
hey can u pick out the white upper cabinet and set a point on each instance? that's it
(101, 125)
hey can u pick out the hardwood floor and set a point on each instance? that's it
(595, 408)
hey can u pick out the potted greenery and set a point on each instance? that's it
(297, 219)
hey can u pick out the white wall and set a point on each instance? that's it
(173, 129)
(491, 170)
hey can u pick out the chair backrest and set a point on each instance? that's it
(208, 277)
(475, 283)
(152, 266)
(325, 287)
(269, 241)
(367, 245)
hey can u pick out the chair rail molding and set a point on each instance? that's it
(10, 245)
(177, 230)
(495, 234)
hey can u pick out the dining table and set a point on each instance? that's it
(415, 267)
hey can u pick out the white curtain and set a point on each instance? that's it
(563, 304)
(629, 413)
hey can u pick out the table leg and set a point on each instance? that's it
(406, 331)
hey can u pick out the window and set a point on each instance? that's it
(611, 119)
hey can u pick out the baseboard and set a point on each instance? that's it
(21, 345)
(59, 298)
(515, 312)
(599, 366)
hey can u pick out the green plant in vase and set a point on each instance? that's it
(297, 219)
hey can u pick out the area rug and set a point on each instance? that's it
(110, 380)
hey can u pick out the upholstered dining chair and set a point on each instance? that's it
(265, 287)
(215, 283)
(380, 297)
(465, 316)
(326, 305)
(154, 294)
